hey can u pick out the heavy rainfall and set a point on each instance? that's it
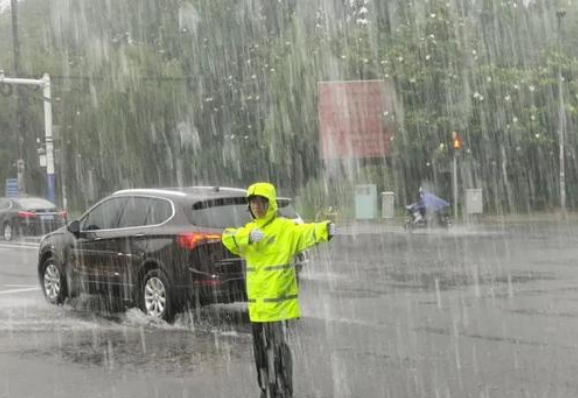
(430, 145)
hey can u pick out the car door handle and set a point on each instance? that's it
(139, 234)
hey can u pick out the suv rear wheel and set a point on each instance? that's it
(155, 295)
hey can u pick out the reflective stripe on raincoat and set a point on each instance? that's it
(271, 281)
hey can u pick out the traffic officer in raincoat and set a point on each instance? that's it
(268, 245)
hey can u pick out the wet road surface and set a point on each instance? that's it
(469, 312)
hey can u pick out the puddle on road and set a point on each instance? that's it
(172, 351)
(85, 333)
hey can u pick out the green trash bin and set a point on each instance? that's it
(365, 202)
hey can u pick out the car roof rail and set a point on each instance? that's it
(151, 191)
(217, 188)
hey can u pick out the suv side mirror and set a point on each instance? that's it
(74, 228)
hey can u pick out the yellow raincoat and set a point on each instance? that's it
(271, 280)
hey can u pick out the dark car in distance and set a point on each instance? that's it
(159, 249)
(29, 215)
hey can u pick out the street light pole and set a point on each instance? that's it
(455, 186)
(21, 132)
(48, 136)
(561, 113)
(45, 84)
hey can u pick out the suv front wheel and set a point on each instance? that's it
(53, 281)
(155, 297)
(8, 231)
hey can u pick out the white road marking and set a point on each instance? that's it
(8, 245)
(18, 285)
(14, 291)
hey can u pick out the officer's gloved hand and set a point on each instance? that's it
(331, 229)
(255, 235)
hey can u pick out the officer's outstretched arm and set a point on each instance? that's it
(308, 235)
(236, 239)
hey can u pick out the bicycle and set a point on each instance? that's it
(276, 368)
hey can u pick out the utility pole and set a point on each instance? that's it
(561, 113)
(20, 127)
(455, 186)
(456, 147)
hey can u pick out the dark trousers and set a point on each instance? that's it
(274, 335)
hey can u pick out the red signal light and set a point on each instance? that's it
(456, 141)
(457, 144)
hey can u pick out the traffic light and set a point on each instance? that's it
(456, 141)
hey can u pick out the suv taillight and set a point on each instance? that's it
(190, 240)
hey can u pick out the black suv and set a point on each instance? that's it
(157, 248)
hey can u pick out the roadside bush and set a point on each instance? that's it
(333, 197)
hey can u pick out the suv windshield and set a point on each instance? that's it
(230, 212)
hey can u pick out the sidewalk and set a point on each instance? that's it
(481, 223)
(485, 219)
(523, 218)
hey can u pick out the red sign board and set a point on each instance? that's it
(351, 120)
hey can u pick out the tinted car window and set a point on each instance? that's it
(104, 216)
(159, 211)
(36, 204)
(139, 211)
(133, 213)
(231, 212)
(220, 213)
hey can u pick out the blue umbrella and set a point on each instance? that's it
(432, 202)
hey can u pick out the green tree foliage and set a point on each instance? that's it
(150, 93)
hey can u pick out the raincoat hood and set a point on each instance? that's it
(267, 191)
